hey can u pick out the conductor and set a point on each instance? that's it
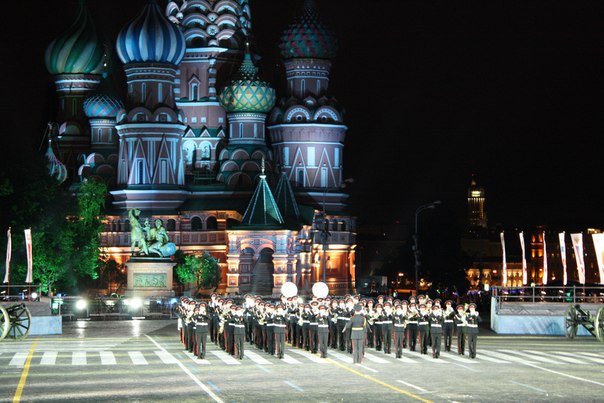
(358, 327)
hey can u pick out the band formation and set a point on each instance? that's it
(347, 324)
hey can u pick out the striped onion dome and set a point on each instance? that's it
(102, 106)
(150, 38)
(79, 50)
(308, 37)
(246, 92)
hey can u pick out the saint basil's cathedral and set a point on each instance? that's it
(203, 144)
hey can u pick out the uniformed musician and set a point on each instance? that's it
(357, 326)
(436, 329)
(472, 321)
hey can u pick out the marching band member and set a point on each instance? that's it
(270, 329)
(460, 322)
(202, 321)
(279, 321)
(377, 326)
(333, 323)
(323, 321)
(313, 327)
(424, 327)
(369, 312)
(387, 327)
(306, 316)
(343, 318)
(357, 326)
(448, 323)
(412, 321)
(398, 320)
(436, 329)
(238, 327)
(472, 321)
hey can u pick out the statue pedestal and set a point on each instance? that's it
(149, 277)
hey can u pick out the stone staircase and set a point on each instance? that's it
(262, 279)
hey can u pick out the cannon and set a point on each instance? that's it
(576, 316)
(15, 321)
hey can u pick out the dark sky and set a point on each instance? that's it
(434, 91)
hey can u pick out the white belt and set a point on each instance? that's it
(306, 321)
(278, 325)
(323, 325)
(343, 318)
(412, 322)
(423, 323)
(314, 323)
(448, 321)
(377, 323)
(238, 325)
(433, 325)
(461, 325)
(470, 325)
(396, 325)
(202, 323)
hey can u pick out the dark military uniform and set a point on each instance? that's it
(279, 322)
(238, 327)
(423, 325)
(399, 323)
(472, 321)
(387, 328)
(202, 321)
(357, 326)
(323, 321)
(412, 320)
(460, 323)
(448, 324)
(436, 330)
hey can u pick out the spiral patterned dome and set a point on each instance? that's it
(308, 37)
(246, 92)
(150, 38)
(79, 50)
(102, 106)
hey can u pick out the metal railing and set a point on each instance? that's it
(107, 308)
(20, 292)
(551, 294)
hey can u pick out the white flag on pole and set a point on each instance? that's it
(524, 270)
(504, 267)
(544, 260)
(8, 253)
(577, 240)
(599, 247)
(563, 257)
(28, 278)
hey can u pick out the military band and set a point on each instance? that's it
(323, 324)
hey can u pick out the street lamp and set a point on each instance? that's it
(415, 248)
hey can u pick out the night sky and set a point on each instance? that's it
(434, 91)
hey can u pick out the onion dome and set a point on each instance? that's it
(79, 50)
(102, 106)
(246, 92)
(150, 38)
(308, 37)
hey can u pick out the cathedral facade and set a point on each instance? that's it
(202, 143)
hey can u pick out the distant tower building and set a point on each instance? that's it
(477, 216)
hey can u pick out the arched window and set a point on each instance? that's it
(196, 224)
(171, 226)
(211, 224)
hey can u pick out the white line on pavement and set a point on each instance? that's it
(166, 357)
(563, 374)
(225, 357)
(413, 386)
(49, 358)
(78, 358)
(375, 358)
(529, 387)
(256, 358)
(137, 358)
(529, 356)
(347, 359)
(107, 358)
(368, 369)
(466, 367)
(18, 359)
(557, 356)
(308, 355)
(190, 374)
(293, 385)
(290, 360)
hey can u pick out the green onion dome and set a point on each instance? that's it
(246, 92)
(308, 37)
(79, 50)
(102, 106)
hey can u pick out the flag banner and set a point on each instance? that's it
(563, 257)
(577, 240)
(599, 247)
(28, 278)
(504, 266)
(544, 261)
(8, 253)
(524, 271)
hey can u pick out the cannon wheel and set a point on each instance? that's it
(20, 323)
(4, 322)
(599, 324)
(570, 322)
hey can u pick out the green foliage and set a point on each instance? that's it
(203, 270)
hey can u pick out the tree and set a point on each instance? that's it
(203, 270)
